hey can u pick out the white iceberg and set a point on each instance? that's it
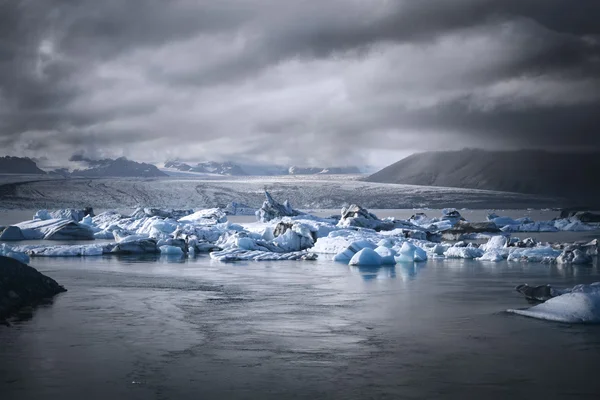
(8, 251)
(86, 250)
(171, 250)
(55, 229)
(464, 252)
(209, 216)
(366, 256)
(387, 255)
(579, 305)
(353, 248)
(230, 255)
(12, 233)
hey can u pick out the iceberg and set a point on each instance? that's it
(387, 255)
(407, 253)
(234, 208)
(271, 210)
(10, 252)
(171, 251)
(211, 216)
(575, 256)
(136, 245)
(356, 216)
(238, 254)
(464, 252)
(581, 304)
(87, 250)
(366, 256)
(12, 233)
(55, 229)
(353, 248)
(158, 212)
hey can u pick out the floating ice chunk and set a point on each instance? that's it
(493, 255)
(171, 251)
(67, 250)
(545, 254)
(464, 252)
(495, 242)
(256, 255)
(439, 249)
(234, 208)
(271, 209)
(574, 225)
(387, 255)
(12, 233)
(297, 238)
(357, 216)
(581, 305)
(136, 246)
(209, 216)
(338, 241)
(575, 256)
(366, 256)
(354, 247)
(42, 215)
(88, 220)
(8, 251)
(55, 229)
(420, 254)
(407, 253)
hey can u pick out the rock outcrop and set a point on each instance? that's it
(23, 286)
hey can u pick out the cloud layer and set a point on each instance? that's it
(305, 82)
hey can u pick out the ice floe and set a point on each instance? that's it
(580, 304)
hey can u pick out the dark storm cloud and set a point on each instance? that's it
(316, 81)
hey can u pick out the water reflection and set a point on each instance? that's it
(405, 271)
(374, 272)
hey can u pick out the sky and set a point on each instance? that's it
(313, 83)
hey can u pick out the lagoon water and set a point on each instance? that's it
(164, 328)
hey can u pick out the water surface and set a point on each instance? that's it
(160, 328)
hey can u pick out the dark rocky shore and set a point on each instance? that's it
(23, 286)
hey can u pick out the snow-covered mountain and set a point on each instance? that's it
(19, 165)
(121, 167)
(294, 170)
(208, 167)
(232, 169)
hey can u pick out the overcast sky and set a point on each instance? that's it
(321, 82)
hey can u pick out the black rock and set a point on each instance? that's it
(535, 293)
(23, 286)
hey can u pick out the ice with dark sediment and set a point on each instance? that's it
(285, 233)
(579, 304)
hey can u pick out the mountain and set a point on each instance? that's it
(208, 167)
(568, 175)
(19, 165)
(121, 167)
(293, 170)
(229, 168)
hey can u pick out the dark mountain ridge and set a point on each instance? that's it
(568, 175)
(19, 165)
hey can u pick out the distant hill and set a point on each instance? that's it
(229, 168)
(19, 165)
(568, 175)
(208, 167)
(121, 167)
(323, 171)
